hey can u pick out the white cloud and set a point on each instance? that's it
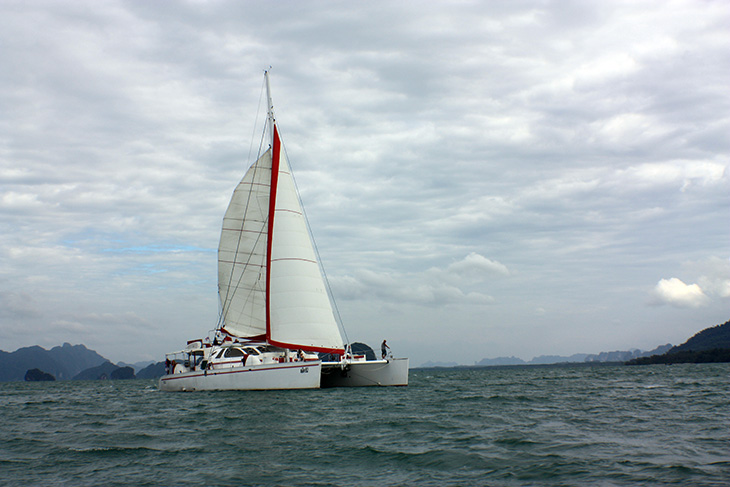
(675, 292)
(606, 69)
(678, 173)
(475, 266)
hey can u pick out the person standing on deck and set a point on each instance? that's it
(383, 347)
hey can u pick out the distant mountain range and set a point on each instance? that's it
(715, 339)
(76, 362)
(616, 356)
(68, 362)
(62, 362)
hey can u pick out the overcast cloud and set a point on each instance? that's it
(483, 178)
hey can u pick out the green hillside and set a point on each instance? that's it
(709, 345)
(708, 339)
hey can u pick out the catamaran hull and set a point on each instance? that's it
(393, 372)
(263, 377)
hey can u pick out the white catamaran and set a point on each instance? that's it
(276, 316)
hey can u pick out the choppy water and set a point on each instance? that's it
(650, 425)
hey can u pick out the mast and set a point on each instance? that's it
(275, 154)
(270, 120)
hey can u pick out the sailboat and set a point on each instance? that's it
(276, 321)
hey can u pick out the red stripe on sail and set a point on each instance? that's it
(275, 153)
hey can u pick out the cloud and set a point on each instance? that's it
(715, 278)
(474, 267)
(450, 156)
(457, 283)
(676, 293)
(17, 305)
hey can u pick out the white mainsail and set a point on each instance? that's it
(269, 280)
(242, 253)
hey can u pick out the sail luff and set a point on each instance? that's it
(275, 153)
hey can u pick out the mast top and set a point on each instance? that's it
(271, 120)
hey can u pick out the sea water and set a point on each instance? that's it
(560, 425)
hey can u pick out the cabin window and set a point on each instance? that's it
(234, 352)
(251, 351)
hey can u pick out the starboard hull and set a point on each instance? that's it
(262, 377)
(392, 372)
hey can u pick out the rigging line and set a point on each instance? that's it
(338, 317)
(263, 223)
(367, 378)
(222, 299)
(256, 168)
(234, 263)
(256, 121)
(234, 289)
(231, 288)
(251, 290)
(248, 201)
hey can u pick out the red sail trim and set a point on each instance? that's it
(275, 153)
(294, 346)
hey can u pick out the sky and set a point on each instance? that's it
(483, 179)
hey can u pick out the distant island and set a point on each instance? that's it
(37, 375)
(69, 362)
(76, 362)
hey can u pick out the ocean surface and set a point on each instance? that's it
(522, 426)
